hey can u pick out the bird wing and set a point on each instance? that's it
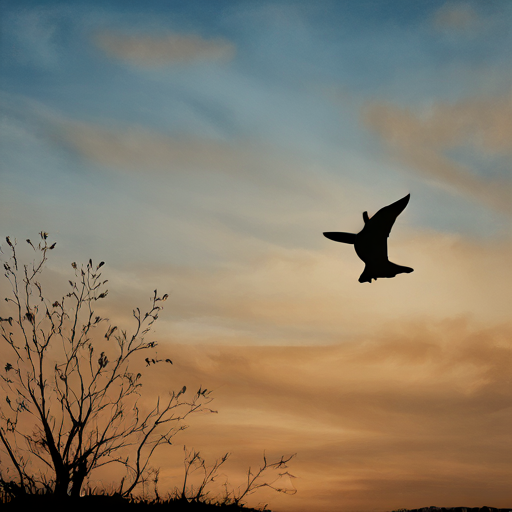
(383, 220)
(346, 238)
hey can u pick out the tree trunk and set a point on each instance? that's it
(79, 474)
(61, 482)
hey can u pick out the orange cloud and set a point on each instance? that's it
(415, 414)
(421, 141)
(150, 51)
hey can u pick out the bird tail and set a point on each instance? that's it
(393, 269)
(388, 270)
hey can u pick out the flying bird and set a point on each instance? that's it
(371, 243)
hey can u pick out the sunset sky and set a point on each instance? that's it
(202, 147)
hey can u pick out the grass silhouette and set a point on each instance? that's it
(114, 503)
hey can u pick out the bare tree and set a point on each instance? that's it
(269, 474)
(68, 402)
(194, 462)
(258, 479)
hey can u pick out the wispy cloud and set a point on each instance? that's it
(136, 149)
(150, 51)
(422, 140)
(456, 16)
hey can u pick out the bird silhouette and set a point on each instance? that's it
(371, 243)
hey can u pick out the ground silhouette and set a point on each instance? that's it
(108, 503)
(456, 509)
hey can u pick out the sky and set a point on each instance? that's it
(202, 148)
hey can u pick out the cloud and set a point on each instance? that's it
(422, 408)
(136, 148)
(423, 141)
(151, 51)
(142, 151)
(456, 16)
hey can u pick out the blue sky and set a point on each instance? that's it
(298, 78)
